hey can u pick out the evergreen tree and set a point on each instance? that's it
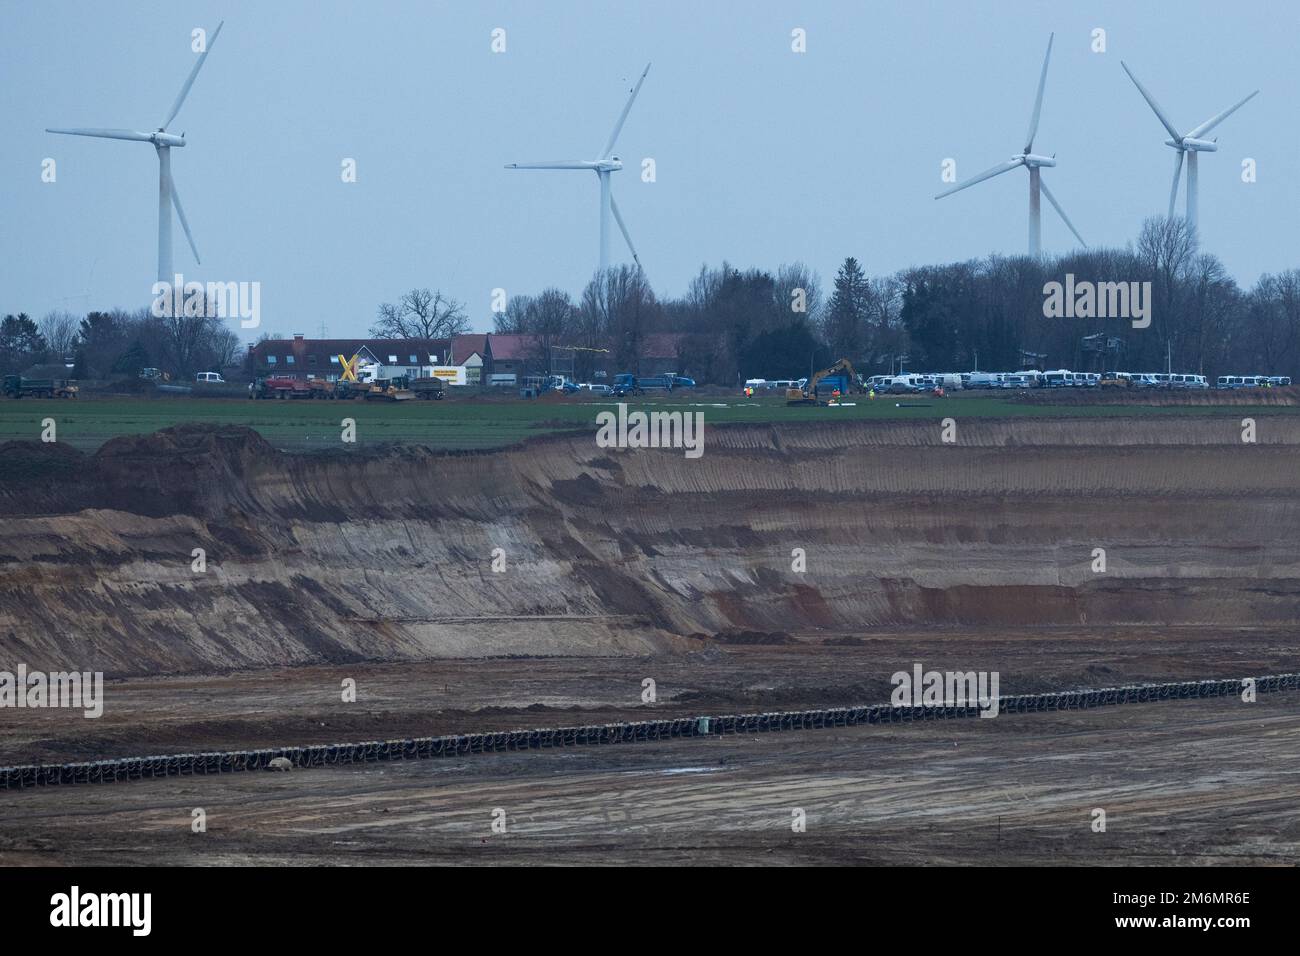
(848, 312)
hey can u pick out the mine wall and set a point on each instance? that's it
(388, 553)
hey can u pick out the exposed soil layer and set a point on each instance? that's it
(305, 705)
(314, 560)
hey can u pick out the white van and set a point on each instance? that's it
(905, 383)
(210, 377)
(1025, 379)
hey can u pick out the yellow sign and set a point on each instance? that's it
(349, 368)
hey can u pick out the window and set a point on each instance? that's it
(413, 360)
(270, 360)
(334, 359)
(392, 360)
(288, 360)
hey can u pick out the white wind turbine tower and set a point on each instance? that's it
(163, 142)
(1032, 162)
(606, 164)
(1188, 144)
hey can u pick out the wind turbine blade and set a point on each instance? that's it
(1215, 121)
(1173, 192)
(618, 218)
(132, 134)
(987, 174)
(1061, 212)
(557, 164)
(180, 213)
(618, 127)
(185, 90)
(1038, 101)
(1151, 101)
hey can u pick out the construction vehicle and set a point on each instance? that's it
(428, 389)
(282, 388)
(16, 386)
(395, 389)
(839, 377)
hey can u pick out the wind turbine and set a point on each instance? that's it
(1032, 162)
(1189, 143)
(163, 142)
(606, 164)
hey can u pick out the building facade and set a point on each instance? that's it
(309, 359)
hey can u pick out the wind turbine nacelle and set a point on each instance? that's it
(608, 165)
(1199, 145)
(1032, 159)
(167, 139)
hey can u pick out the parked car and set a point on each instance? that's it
(596, 388)
(214, 377)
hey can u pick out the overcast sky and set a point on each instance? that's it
(763, 155)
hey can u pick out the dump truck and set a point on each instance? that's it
(16, 386)
(428, 389)
(282, 388)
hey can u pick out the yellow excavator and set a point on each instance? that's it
(841, 375)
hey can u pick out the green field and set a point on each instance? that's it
(311, 425)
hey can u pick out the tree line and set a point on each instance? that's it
(101, 345)
(735, 323)
(985, 313)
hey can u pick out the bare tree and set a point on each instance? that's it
(227, 349)
(621, 303)
(514, 320)
(798, 286)
(1165, 248)
(60, 331)
(421, 314)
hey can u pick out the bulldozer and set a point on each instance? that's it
(841, 375)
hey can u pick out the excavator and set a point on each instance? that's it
(841, 374)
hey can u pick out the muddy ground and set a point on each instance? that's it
(297, 706)
(1192, 782)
